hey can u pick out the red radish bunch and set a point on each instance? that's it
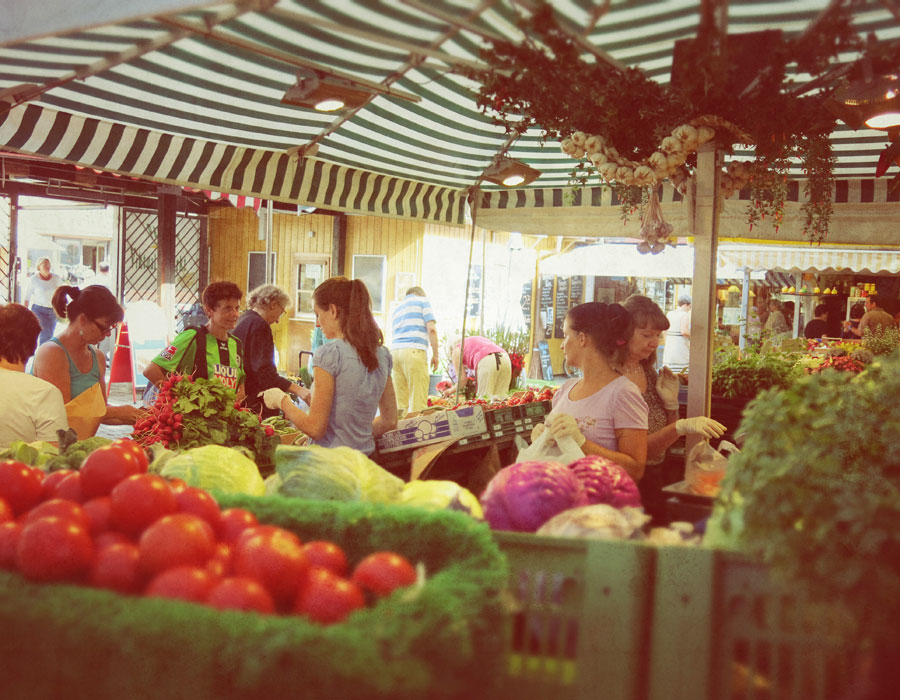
(123, 529)
(162, 424)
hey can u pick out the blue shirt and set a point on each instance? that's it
(408, 329)
(356, 394)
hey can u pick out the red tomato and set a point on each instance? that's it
(20, 485)
(105, 467)
(177, 485)
(48, 486)
(382, 572)
(98, 512)
(134, 448)
(59, 507)
(198, 502)
(116, 567)
(181, 582)
(326, 555)
(274, 559)
(139, 500)
(69, 488)
(219, 565)
(180, 539)
(267, 530)
(9, 539)
(6, 513)
(104, 539)
(233, 521)
(325, 597)
(54, 549)
(241, 593)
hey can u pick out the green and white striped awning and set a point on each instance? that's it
(189, 92)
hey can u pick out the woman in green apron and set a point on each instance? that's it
(70, 361)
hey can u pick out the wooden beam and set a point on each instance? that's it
(19, 94)
(290, 59)
(412, 63)
(339, 29)
(579, 38)
(461, 24)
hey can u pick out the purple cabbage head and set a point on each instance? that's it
(523, 496)
(606, 482)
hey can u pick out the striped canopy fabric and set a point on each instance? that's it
(189, 93)
(809, 259)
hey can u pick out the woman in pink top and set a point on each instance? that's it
(488, 360)
(603, 411)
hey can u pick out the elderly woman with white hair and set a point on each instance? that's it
(267, 304)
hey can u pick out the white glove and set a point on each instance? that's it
(273, 397)
(700, 425)
(563, 425)
(667, 388)
(537, 430)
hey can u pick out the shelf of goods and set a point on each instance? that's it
(663, 623)
(445, 640)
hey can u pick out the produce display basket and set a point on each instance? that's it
(444, 640)
(628, 621)
(724, 629)
(580, 629)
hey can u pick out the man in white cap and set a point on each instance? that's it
(677, 351)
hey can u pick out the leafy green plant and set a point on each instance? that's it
(815, 491)
(882, 341)
(509, 339)
(738, 374)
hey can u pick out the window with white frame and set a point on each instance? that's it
(310, 272)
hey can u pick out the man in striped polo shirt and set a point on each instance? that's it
(412, 330)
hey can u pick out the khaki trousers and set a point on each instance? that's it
(411, 378)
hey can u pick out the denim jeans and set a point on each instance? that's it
(47, 318)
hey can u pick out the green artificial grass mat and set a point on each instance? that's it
(445, 641)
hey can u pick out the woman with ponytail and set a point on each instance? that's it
(70, 361)
(352, 375)
(602, 411)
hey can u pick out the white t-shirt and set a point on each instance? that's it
(30, 409)
(618, 405)
(40, 291)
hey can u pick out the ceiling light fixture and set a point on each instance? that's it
(318, 90)
(510, 173)
(868, 102)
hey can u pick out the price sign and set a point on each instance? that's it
(562, 305)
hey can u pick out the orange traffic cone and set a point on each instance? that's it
(121, 368)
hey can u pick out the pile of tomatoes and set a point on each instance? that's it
(112, 525)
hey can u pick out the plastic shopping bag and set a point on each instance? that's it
(705, 466)
(546, 449)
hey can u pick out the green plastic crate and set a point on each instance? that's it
(72, 642)
(581, 623)
(723, 629)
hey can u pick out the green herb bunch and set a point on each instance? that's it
(739, 374)
(815, 491)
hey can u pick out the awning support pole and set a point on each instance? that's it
(703, 308)
(745, 308)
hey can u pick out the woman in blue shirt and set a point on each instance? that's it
(352, 374)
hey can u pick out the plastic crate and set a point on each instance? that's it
(628, 621)
(444, 641)
(581, 623)
(723, 629)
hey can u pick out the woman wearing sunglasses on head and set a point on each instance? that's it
(70, 361)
